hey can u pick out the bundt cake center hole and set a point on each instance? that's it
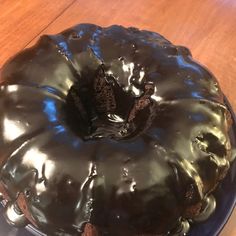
(98, 107)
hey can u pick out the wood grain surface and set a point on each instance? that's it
(207, 27)
(22, 20)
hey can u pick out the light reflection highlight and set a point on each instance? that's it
(34, 158)
(183, 64)
(50, 109)
(12, 129)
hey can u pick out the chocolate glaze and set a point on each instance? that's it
(112, 127)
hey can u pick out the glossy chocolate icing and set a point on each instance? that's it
(113, 127)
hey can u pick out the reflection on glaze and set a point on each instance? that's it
(110, 127)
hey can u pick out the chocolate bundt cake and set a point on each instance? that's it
(110, 132)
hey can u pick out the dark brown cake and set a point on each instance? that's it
(110, 132)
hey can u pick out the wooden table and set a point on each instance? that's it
(207, 27)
